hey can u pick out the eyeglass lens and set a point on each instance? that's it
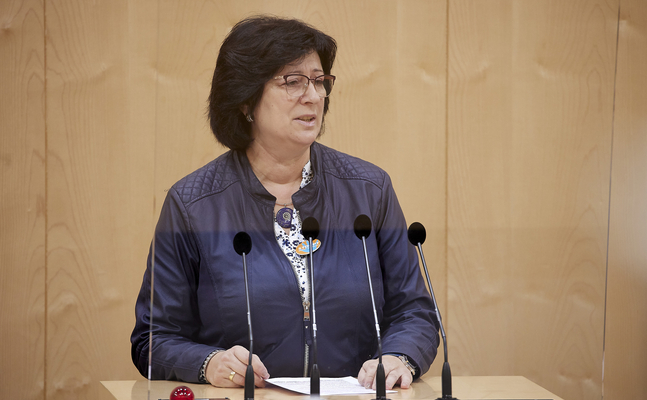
(297, 85)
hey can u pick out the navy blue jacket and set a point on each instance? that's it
(199, 294)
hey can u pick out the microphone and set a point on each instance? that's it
(417, 235)
(242, 243)
(242, 246)
(362, 227)
(150, 321)
(310, 230)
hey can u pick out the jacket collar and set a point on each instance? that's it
(254, 187)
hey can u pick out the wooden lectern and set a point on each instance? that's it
(428, 387)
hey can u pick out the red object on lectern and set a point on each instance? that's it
(181, 393)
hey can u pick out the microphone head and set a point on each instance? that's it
(417, 233)
(242, 243)
(362, 226)
(310, 228)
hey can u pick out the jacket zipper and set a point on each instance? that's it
(306, 322)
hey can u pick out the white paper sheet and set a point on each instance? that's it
(327, 386)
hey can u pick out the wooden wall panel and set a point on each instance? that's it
(390, 109)
(189, 39)
(100, 173)
(22, 199)
(626, 323)
(529, 133)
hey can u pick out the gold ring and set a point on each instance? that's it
(231, 375)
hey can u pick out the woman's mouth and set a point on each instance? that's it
(307, 120)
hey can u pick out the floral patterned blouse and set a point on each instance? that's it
(290, 240)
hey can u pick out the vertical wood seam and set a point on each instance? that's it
(447, 158)
(46, 201)
(613, 123)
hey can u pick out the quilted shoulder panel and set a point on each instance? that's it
(348, 167)
(212, 178)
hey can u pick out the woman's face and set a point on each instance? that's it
(287, 125)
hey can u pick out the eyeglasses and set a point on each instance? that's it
(297, 84)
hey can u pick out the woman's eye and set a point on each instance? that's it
(293, 82)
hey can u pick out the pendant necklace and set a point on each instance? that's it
(284, 216)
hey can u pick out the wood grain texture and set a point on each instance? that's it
(188, 40)
(22, 199)
(100, 174)
(530, 118)
(626, 323)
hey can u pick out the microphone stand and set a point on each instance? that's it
(150, 323)
(447, 373)
(310, 229)
(242, 246)
(362, 228)
(249, 374)
(380, 378)
(314, 374)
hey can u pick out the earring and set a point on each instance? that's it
(249, 118)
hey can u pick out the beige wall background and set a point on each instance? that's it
(514, 130)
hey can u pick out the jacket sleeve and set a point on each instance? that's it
(173, 267)
(409, 325)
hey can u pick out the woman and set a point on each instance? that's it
(270, 93)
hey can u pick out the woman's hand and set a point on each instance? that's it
(395, 371)
(227, 368)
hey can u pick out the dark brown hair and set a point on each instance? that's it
(255, 50)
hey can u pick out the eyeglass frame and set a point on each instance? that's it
(286, 76)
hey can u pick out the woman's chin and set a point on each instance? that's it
(307, 137)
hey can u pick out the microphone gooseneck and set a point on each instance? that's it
(242, 246)
(149, 374)
(362, 227)
(417, 235)
(310, 230)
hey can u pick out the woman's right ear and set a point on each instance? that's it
(248, 116)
